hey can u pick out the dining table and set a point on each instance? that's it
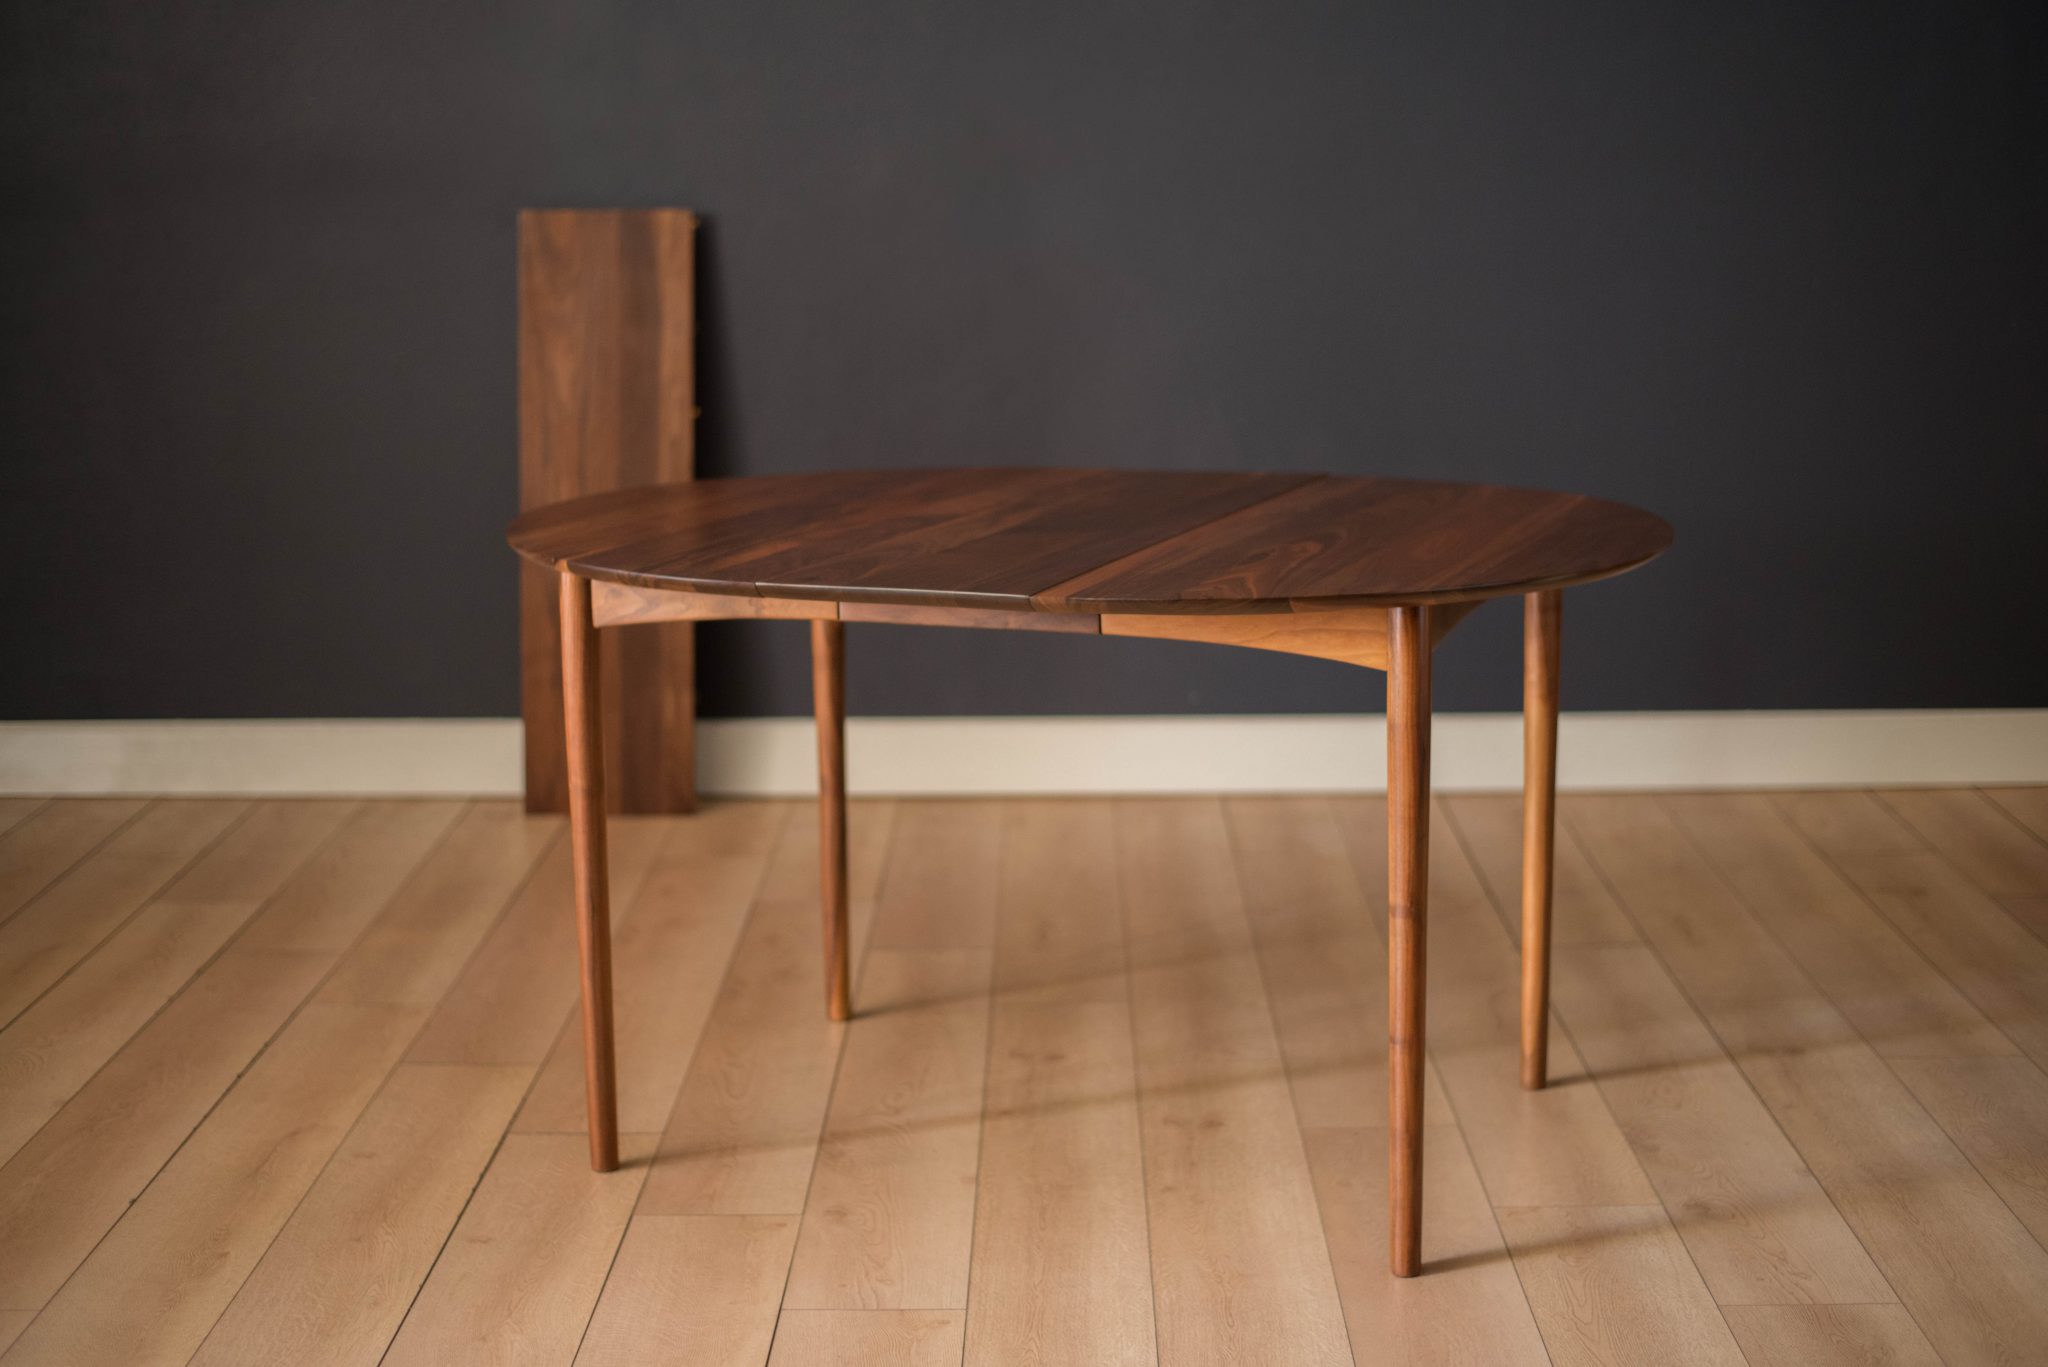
(1369, 571)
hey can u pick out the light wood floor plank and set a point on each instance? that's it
(889, 1218)
(1060, 1269)
(521, 1274)
(1979, 836)
(55, 1046)
(70, 1183)
(671, 953)
(1612, 1285)
(338, 891)
(1995, 961)
(1955, 1255)
(1321, 949)
(1996, 1110)
(742, 1136)
(1242, 1036)
(48, 937)
(1849, 822)
(890, 1215)
(1467, 1306)
(246, 1177)
(153, 1288)
(1558, 1146)
(15, 810)
(692, 1289)
(1891, 993)
(40, 849)
(1583, 911)
(868, 1338)
(418, 944)
(936, 894)
(1829, 1336)
(2028, 806)
(1744, 984)
(1756, 1222)
(1958, 1258)
(508, 1002)
(337, 1281)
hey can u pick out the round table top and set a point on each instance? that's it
(1096, 541)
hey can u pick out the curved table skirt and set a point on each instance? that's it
(1354, 635)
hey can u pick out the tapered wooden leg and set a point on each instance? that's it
(1542, 616)
(581, 692)
(828, 692)
(1407, 922)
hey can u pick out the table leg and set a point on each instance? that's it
(1542, 616)
(1408, 710)
(828, 692)
(581, 706)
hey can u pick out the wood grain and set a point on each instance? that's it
(252, 1136)
(45, 939)
(624, 605)
(828, 694)
(1375, 540)
(1542, 622)
(345, 1267)
(1060, 1266)
(70, 1183)
(1356, 636)
(868, 1338)
(1470, 1307)
(1758, 1226)
(692, 1289)
(417, 945)
(156, 1284)
(523, 1269)
(1584, 911)
(508, 1002)
(673, 949)
(1952, 1251)
(889, 1221)
(1989, 956)
(51, 1049)
(1325, 972)
(743, 1134)
(349, 879)
(1408, 738)
(15, 810)
(1319, 922)
(1897, 1000)
(39, 849)
(1978, 836)
(606, 401)
(1829, 1336)
(1091, 541)
(590, 871)
(1238, 1272)
(1996, 1111)
(1612, 1285)
(1559, 1146)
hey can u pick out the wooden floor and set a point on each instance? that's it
(295, 1083)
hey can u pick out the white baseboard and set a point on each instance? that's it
(947, 755)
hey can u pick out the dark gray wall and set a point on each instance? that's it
(1773, 270)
